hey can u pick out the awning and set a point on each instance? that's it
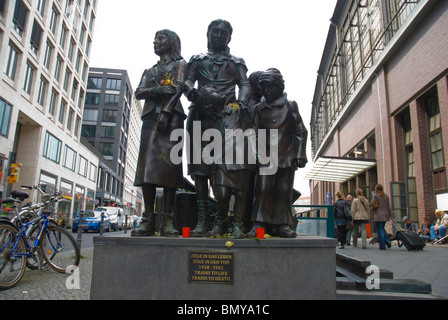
(338, 170)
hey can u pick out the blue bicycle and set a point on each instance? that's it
(39, 240)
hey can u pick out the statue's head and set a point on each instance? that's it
(272, 84)
(173, 41)
(254, 80)
(219, 34)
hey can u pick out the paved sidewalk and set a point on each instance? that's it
(48, 284)
(429, 265)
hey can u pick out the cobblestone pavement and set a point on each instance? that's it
(48, 284)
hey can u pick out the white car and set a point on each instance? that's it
(116, 217)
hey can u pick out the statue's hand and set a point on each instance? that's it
(166, 91)
(242, 105)
(193, 95)
(299, 163)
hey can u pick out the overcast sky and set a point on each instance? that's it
(288, 35)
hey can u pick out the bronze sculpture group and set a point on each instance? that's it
(209, 82)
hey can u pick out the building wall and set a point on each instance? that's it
(413, 66)
(115, 159)
(57, 109)
(422, 59)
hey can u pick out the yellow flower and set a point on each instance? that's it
(229, 244)
(235, 106)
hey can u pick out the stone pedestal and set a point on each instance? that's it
(205, 269)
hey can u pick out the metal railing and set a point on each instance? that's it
(317, 220)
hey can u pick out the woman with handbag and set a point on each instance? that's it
(382, 213)
(341, 215)
(361, 216)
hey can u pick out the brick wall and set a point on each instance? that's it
(423, 168)
(421, 59)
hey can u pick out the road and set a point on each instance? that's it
(87, 238)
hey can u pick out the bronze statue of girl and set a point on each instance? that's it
(161, 87)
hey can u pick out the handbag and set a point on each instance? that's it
(347, 213)
(375, 205)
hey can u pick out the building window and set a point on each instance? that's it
(52, 148)
(2, 11)
(113, 84)
(362, 36)
(107, 132)
(92, 98)
(77, 124)
(5, 116)
(57, 69)
(41, 7)
(436, 146)
(92, 172)
(42, 91)
(67, 79)
(88, 131)
(48, 53)
(36, 35)
(69, 158)
(112, 99)
(110, 115)
(19, 17)
(62, 108)
(11, 65)
(70, 119)
(90, 115)
(94, 83)
(63, 38)
(409, 148)
(53, 20)
(53, 101)
(28, 82)
(107, 149)
(83, 163)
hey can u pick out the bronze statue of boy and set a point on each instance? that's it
(273, 192)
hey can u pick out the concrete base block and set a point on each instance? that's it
(157, 268)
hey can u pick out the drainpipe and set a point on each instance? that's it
(381, 128)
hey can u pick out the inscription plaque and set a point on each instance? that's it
(211, 267)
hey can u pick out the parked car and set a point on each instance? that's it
(116, 217)
(92, 218)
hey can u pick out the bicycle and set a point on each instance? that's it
(53, 244)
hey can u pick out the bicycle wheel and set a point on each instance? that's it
(12, 257)
(59, 249)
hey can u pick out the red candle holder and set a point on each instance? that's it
(260, 233)
(186, 232)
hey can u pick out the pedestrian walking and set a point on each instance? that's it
(341, 217)
(382, 213)
(361, 216)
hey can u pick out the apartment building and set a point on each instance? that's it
(133, 196)
(380, 108)
(111, 124)
(44, 60)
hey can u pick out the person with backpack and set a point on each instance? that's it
(341, 217)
